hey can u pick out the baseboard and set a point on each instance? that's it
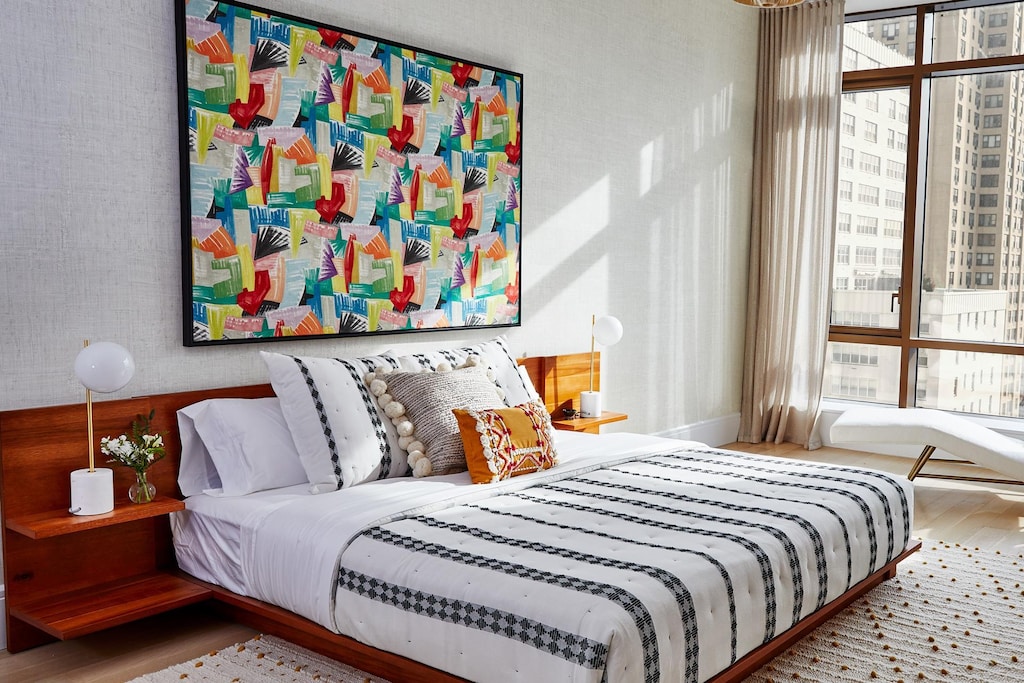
(714, 432)
(3, 622)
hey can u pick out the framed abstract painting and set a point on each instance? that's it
(337, 184)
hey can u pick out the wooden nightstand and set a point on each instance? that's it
(590, 425)
(102, 602)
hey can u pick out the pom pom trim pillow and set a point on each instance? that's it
(494, 353)
(506, 442)
(342, 437)
(420, 405)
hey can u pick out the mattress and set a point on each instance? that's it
(637, 558)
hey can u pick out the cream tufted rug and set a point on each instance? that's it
(951, 614)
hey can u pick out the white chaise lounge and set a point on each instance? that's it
(933, 429)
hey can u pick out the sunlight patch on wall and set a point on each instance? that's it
(652, 164)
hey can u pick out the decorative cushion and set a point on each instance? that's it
(249, 443)
(506, 442)
(421, 403)
(342, 437)
(495, 353)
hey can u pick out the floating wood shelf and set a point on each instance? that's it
(588, 424)
(76, 613)
(59, 522)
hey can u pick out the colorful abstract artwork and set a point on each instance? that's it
(334, 184)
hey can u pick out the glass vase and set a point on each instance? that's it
(141, 491)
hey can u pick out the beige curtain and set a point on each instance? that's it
(793, 213)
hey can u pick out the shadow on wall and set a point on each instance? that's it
(661, 244)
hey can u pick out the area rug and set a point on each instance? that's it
(951, 614)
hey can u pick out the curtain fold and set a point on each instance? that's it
(793, 212)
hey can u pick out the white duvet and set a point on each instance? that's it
(608, 567)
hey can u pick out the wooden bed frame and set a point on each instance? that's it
(67, 576)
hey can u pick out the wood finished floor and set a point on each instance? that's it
(977, 515)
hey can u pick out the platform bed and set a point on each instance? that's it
(66, 577)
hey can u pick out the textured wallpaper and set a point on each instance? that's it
(637, 128)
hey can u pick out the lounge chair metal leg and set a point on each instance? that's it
(921, 460)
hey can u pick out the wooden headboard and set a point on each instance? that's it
(39, 447)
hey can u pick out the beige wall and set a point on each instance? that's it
(638, 129)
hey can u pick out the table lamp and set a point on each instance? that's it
(102, 367)
(607, 331)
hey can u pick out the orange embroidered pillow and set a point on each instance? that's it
(506, 442)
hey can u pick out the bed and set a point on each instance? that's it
(635, 558)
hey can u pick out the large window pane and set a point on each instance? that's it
(868, 259)
(862, 372)
(879, 43)
(977, 33)
(970, 382)
(974, 210)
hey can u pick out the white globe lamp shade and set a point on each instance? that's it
(104, 367)
(607, 330)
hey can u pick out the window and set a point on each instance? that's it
(843, 254)
(972, 228)
(846, 157)
(845, 190)
(890, 30)
(894, 199)
(867, 194)
(871, 163)
(995, 80)
(849, 124)
(870, 131)
(855, 354)
(867, 225)
(865, 256)
(843, 222)
(842, 283)
(871, 101)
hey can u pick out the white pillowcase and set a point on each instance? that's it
(196, 471)
(497, 356)
(235, 446)
(250, 445)
(342, 437)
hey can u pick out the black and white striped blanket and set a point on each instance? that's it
(666, 567)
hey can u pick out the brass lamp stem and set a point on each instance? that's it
(593, 319)
(88, 417)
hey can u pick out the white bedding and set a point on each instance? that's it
(339, 558)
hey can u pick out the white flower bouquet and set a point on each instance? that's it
(138, 450)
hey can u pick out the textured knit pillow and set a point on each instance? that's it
(495, 353)
(421, 404)
(506, 442)
(343, 438)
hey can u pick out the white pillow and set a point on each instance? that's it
(249, 443)
(497, 356)
(342, 437)
(196, 471)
